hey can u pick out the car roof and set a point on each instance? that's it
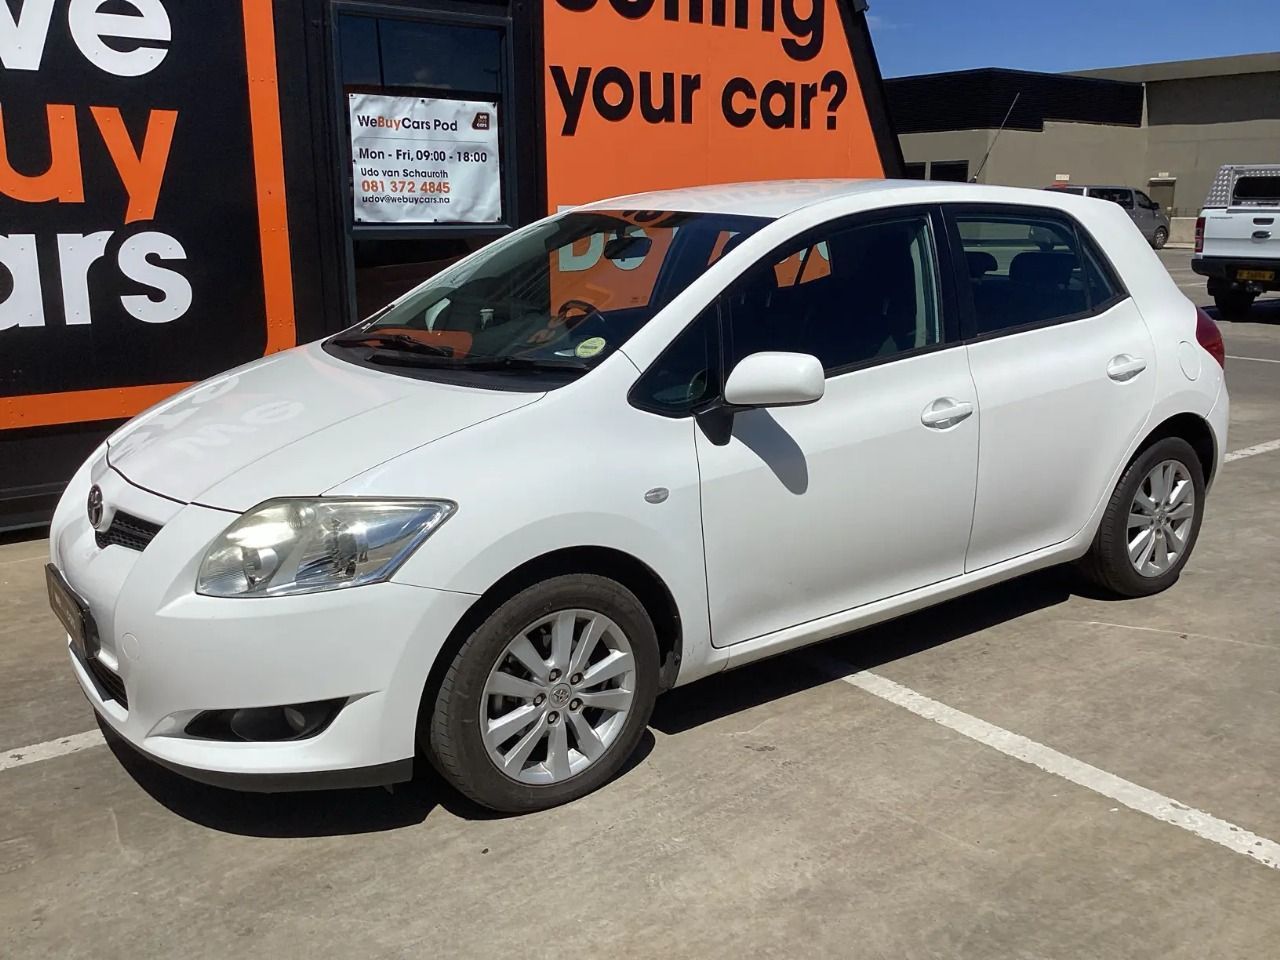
(777, 198)
(1089, 186)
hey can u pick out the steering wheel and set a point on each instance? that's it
(562, 323)
(588, 310)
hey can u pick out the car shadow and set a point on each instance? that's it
(1265, 310)
(725, 694)
(313, 813)
(372, 810)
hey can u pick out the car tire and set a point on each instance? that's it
(1160, 239)
(559, 767)
(1234, 305)
(1115, 560)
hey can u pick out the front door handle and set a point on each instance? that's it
(1124, 368)
(946, 412)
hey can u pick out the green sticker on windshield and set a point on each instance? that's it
(590, 347)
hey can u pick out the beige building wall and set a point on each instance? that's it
(1087, 153)
(1192, 126)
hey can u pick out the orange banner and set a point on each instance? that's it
(654, 94)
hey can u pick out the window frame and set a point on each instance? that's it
(508, 117)
(953, 212)
(950, 328)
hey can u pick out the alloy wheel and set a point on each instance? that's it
(558, 696)
(1160, 519)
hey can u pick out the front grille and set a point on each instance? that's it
(110, 683)
(128, 531)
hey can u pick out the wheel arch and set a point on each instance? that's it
(1192, 428)
(634, 574)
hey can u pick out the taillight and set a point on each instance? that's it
(1200, 237)
(1210, 337)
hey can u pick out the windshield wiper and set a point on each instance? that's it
(521, 363)
(393, 341)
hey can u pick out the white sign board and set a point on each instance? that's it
(422, 160)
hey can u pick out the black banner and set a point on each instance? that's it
(129, 233)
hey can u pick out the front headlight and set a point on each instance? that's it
(285, 547)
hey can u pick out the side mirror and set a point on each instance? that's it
(775, 380)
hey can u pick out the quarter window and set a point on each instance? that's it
(686, 374)
(1031, 270)
(855, 295)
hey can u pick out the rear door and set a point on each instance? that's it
(1249, 229)
(1064, 371)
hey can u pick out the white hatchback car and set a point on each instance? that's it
(622, 449)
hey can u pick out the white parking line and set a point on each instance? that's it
(1253, 451)
(1165, 809)
(1254, 359)
(21, 756)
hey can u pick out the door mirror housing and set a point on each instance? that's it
(775, 380)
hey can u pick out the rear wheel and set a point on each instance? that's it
(1151, 524)
(1160, 239)
(1234, 304)
(548, 698)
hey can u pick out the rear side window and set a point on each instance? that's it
(1257, 192)
(1114, 194)
(1030, 270)
(848, 294)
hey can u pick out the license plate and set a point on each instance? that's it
(1264, 275)
(73, 613)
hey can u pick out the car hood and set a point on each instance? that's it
(294, 424)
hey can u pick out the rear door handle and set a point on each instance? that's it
(946, 412)
(1124, 368)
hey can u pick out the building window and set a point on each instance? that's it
(409, 57)
(914, 171)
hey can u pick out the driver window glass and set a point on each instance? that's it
(864, 293)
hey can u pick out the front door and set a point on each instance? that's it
(1065, 375)
(809, 511)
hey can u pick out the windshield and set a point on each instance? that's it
(559, 296)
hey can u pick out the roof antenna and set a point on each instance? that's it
(982, 166)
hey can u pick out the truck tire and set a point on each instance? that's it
(1234, 304)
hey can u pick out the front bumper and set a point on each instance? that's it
(179, 654)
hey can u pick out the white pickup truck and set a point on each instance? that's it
(1238, 237)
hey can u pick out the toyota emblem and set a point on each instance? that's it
(95, 506)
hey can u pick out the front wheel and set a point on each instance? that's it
(1151, 523)
(547, 699)
(1160, 239)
